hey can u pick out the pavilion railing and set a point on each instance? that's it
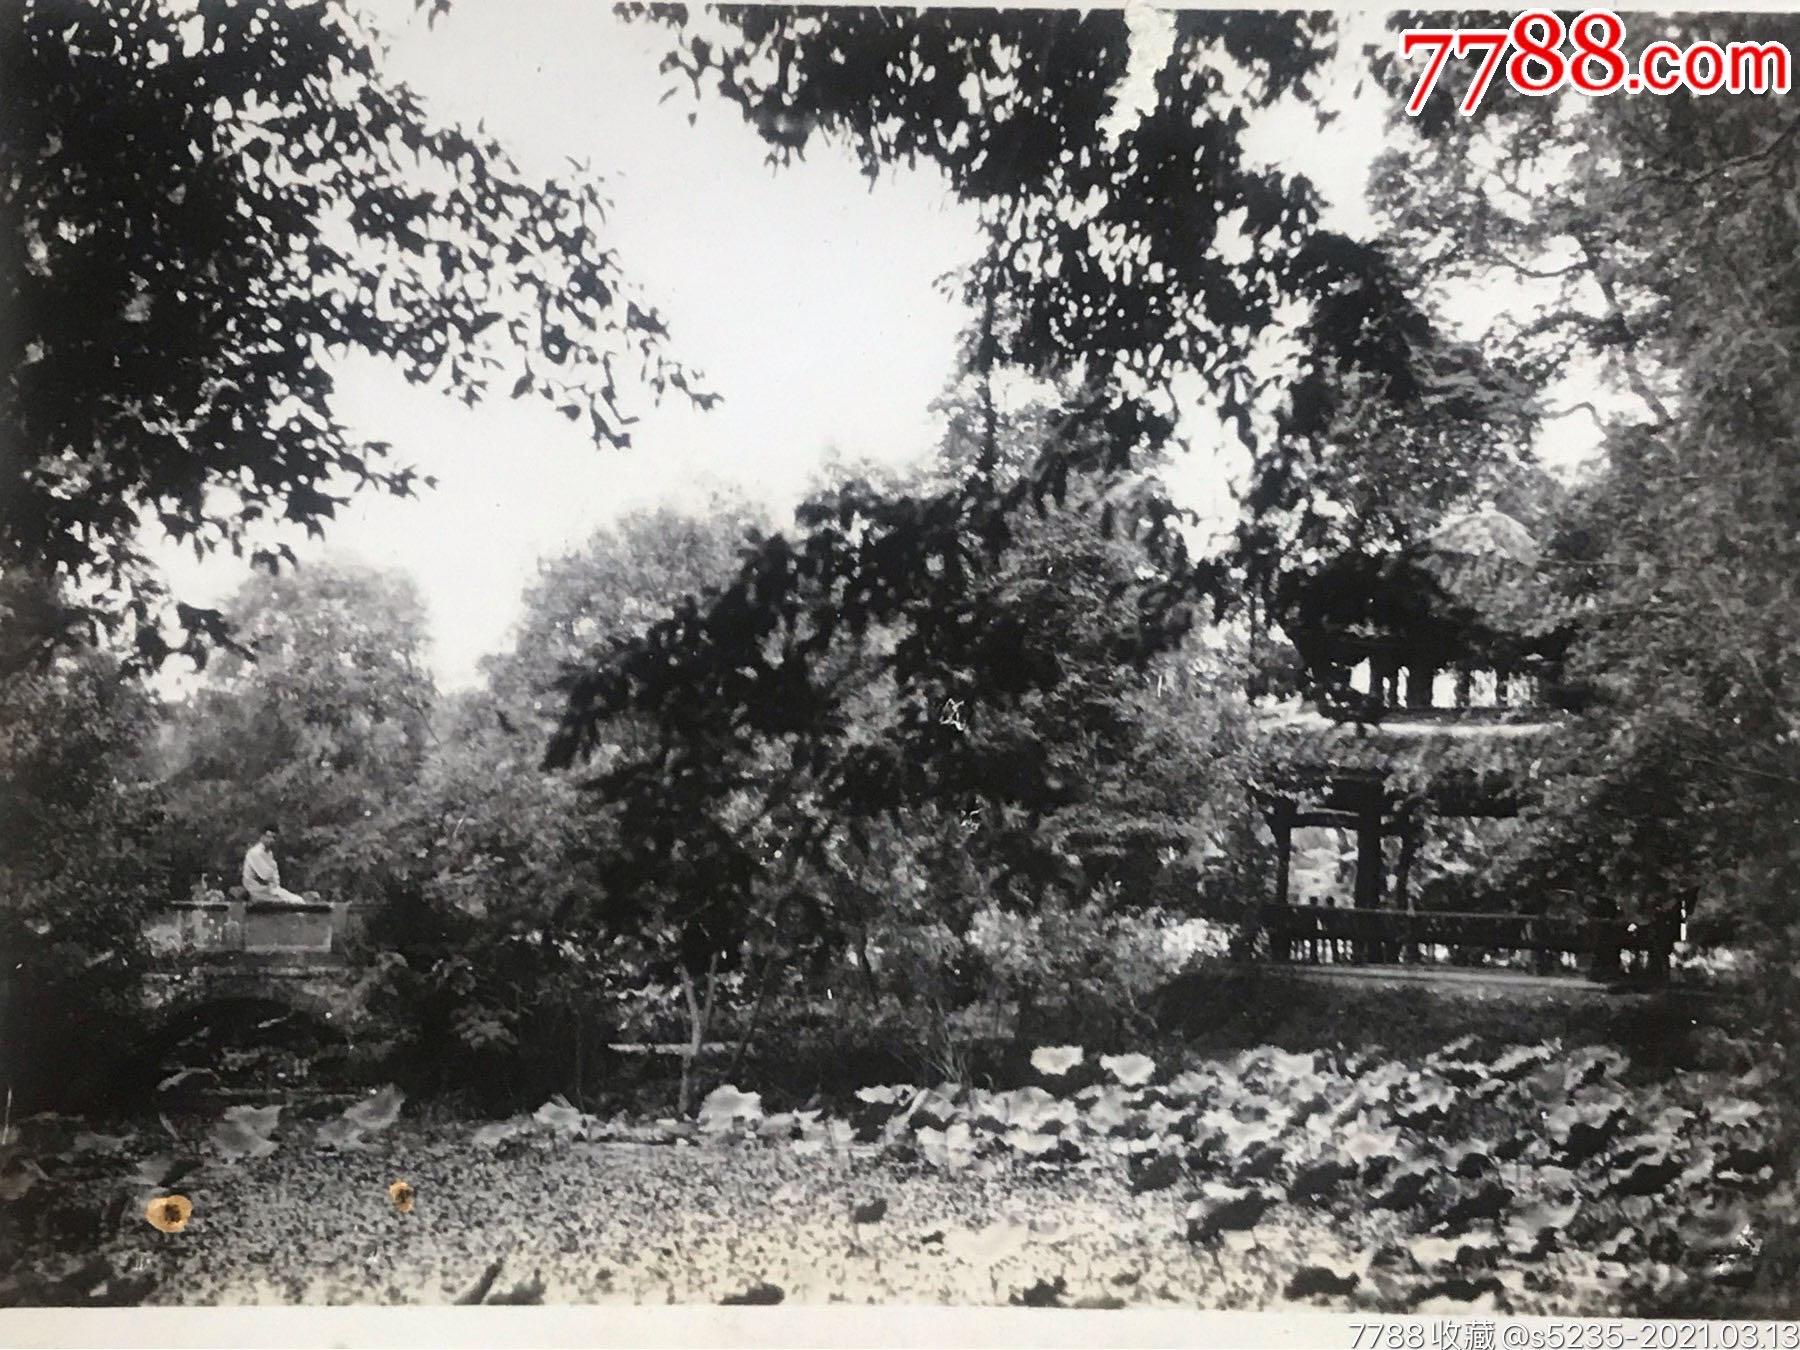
(1330, 933)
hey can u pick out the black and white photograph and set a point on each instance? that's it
(1061, 665)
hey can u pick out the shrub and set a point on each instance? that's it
(1079, 968)
(85, 858)
(949, 999)
(503, 1015)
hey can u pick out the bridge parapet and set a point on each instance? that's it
(213, 928)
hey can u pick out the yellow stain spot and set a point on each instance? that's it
(169, 1213)
(401, 1193)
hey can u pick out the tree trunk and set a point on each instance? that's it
(756, 1010)
(871, 987)
(699, 1019)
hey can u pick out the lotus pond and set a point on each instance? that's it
(1534, 1180)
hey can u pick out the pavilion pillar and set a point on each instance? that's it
(1281, 820)
(1420, 678)
(1607, 948)
(1409, 846)
(1369, 869)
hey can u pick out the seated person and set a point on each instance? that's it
(262, 878)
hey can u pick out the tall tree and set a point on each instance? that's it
(1018, 109)
(1023, 757)
(1180, 257)
(508, 897)
(615, 585)
(1648, 239)
(482, 867)
(86, 856)
(1652, 241)
(327, 724)
(199, 207)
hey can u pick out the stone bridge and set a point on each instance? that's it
(297, 957)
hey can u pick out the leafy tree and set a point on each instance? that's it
(1116, 299)
(1659, 235)
(199, 207)
(86, 856)
(1021, 761)
(1647, 229)
(1054, 735)
(1390, 425)
(328, 723)
(505, 982)
(1017, 109)
(521, 945)
(623, 578)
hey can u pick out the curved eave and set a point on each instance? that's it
(1463, 767)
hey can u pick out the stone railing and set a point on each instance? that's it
(251, 927)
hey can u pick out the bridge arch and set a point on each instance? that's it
(239, 1036)
(222, 952)
(261, 999)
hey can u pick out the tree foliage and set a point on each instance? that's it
(1654, 232)
(87, 853)
(1105, 231)
(1111, 266)
(616, 584)
(200, 209)
(1652, 240)
(328, 723)
(522, 946)
(1002, 736)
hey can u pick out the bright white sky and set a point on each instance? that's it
(808, 299)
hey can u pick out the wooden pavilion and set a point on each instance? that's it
(1430, 684)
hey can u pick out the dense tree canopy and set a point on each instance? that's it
(83, 848)
(986, 740)
(985, 677)
(199, 209)
(1106, 231)
(1650, 239)
(325, 722)
(88, 853)
(624, 578)
(1648, 242)
(1114, 265)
